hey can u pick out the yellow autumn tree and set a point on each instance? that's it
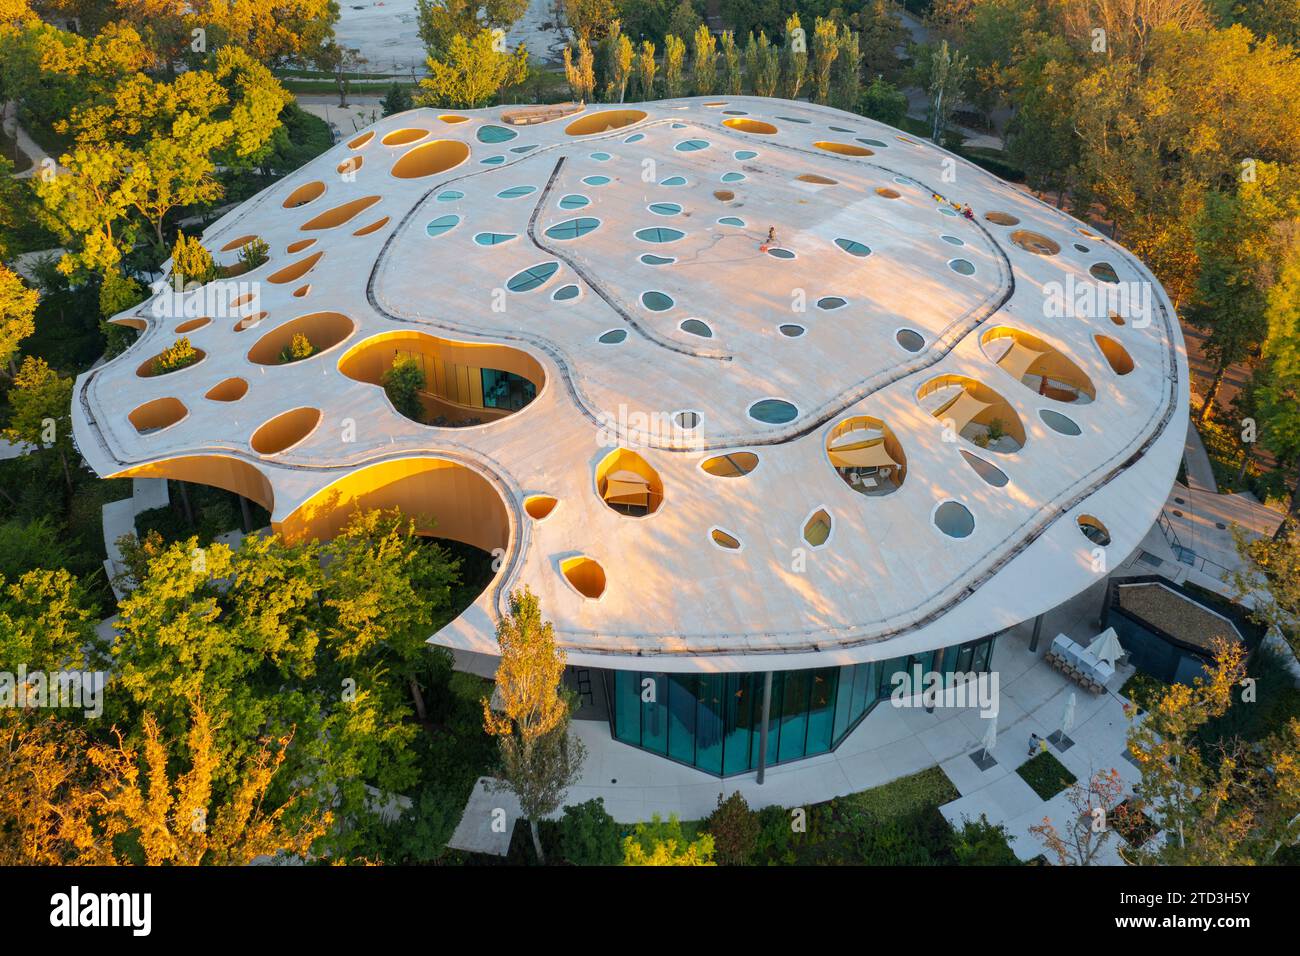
(17, 311)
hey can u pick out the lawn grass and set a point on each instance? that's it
(1046, 775)
(1143, 689)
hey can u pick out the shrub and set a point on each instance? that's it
(776, 840)
(297, 350)
(980, 843)
(1046, 775)
(191, 262)
(662, 843)
(403, 382)
(396, 100)
(254, 254)
(176, 356)
(589, 836)
(735, 830)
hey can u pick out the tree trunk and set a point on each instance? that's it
(1292, 515)
(1245, 463)
(245, 514)
(537, 841)
(185, 503)
(1213, 392)
(419, 700)
(67, 474)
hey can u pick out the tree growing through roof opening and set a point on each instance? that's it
(299, 348)
(538, 760)
(403, 383)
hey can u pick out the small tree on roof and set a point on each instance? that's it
(539, 761)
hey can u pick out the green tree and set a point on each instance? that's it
(439, 22)
(764, 63)
(981, 843)
(881, 34)
(704, 50)
(883, 101)
(589, 19)
(645, 70)
(589, 836)
(1278, 397)
(176, 356)
(41, 411)
(538, 760)
(825, 50)
(582, 74)
(847, 74)
(947, 76)
(794, 58)
(191, 262)
(396, 100)
(472, 73)
(683, 21)
(17, 315)
(674, 55)
(731, 72)
(734, 828)
(46, 623)
(299, 348)
(618, 63)
(403, 383)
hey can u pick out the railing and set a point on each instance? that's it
(1188, 556)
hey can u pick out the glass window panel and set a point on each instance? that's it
(708, 722)
(681, 717)
(887, 672)
(964, 656)
(627, 706)
(654, 717)
(821, 710)
(794, 714)
(843, 701)
(980, 656)
(774, 720)
(743, 691)
(864, 689)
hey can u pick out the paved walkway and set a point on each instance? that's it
(891, 742)
(488, 821)
(25, 142)
(1200, 475)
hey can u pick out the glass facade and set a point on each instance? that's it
(714, 721)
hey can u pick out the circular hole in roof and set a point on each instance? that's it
(539, 506)
(532, 277)
(565, 292)
(1117, 357)
(792, 330)
(523, 149)
(731, 221)
(1104, 271)
(962, 267)
(887, 193)
(1116, 318)
(449, 195)
(723, 195)
(429, 159)
(743, 154)
(603, 121)
(724, 539)
(573, 201)
(873, 142)
(361, 140)
(600, 157)
(854, 248)
(613, 337)
(953, 241)
(1058, 422)
(816, 180)
(773, 411)
(679, 125)
(651, 259)
(904, 181)
(1001, 218)
(442, 224)
(866, 455)
(237, 243)
(656, 301)
(691, 145)
(664, 208)
(628, 484)
(776, 252)
(990, 473)
(284, 431)
(733, 177)
(954, 519)
(158, 414)
(734, 113)
(401, 137)
(1035, 242)
(494, 238)
(323, 330)
(373, 227)
(299, 245)
(1080, 247)
(492, 161)
(674, 181)
(635, 138)
(192, 325)
(573, 228)
(494, 134)
(793, 119)
(910, 340)
(750, 126)
(228, 390)
(947, 211)
(659, 234)
(595, 180)
(696, 327)
(1093, 530)
(687, 420)
(735, 464)
(1087, 233)
(829, 302)
(516, 192)
(350, 166)
(453, 118)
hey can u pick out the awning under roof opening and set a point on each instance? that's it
(857, 438)
(866, 455)
(962, 409)
(627, 488)
(1018, 358)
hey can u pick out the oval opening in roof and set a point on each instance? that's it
(817, 529)
(573, 228)
(854, 248)
(613, 337)
(1117, 357)
(664, 208)
(757, 127)
(539, 506)
(595, 180)
(990, 473)
(691, 145)
(1094, 530)
(724, 539)
(791, 330)
(773, 411)
(586, 576)
(574, 201)
(493, 238)
(910, 340)
(565, 293)
(1059, 423)
(736, 464)
(1105, 272)
(696, 327)
(532, 277)
(429, 159)
(954, 519)
(659, 234)
(494, 134)
(674, 181)
(516, 192)
(829, 302)
(604, 121)
(441, 224)
(656, 301)
(401, 137)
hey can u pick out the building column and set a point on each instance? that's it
(1038, 629)
(1105, 606)
(762, 731)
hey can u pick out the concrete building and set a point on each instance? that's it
(766, 401)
